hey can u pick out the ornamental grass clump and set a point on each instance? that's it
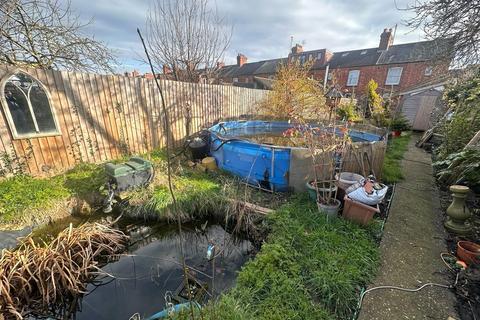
(40, 279)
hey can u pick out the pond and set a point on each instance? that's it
(151, 267)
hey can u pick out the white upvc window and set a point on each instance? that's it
(393, 76)
(28, 107)
(235, 79)
(353, 76)
(428, 70)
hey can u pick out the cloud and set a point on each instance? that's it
(262, 29)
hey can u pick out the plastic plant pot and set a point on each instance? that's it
(358, 212)
(346, 179)
(468, 252)
(323, 188)
(331, 210)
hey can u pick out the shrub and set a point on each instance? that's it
(461, 167)
(348, 112)
(464, 100)
(400, 123)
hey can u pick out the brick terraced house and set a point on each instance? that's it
(395, 67)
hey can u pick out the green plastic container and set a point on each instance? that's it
(133, 173)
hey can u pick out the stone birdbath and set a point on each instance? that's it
(457, 212)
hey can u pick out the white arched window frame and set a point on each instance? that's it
(37, 132)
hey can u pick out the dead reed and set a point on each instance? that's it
(35, 278)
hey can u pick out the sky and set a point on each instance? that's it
(262, 29)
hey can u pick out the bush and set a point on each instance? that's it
(460, 168)
(464, 100)
(348, 112)
(400, 123)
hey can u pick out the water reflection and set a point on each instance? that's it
(152, 267)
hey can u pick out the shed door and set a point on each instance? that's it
(425, 109)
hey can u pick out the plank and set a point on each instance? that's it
(97, 116)
(105, 122)
(64, 141)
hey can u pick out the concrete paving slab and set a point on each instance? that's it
(410, 250)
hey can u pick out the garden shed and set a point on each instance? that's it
(421, 105)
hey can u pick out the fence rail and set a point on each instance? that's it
(102, 117)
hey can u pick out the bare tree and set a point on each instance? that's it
(189, 37)
(456, 20)
(46, 33)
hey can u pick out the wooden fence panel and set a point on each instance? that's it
(102, 117)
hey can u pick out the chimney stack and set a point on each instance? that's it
(166, 69)
(297, 49)
(241, 59)
(386, 39)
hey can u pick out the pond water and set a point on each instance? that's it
(152, 267)
(277, 136)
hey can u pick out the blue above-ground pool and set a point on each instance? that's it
(262, 165)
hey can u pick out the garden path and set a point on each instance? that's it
(410, 249)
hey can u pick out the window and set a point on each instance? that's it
(310, 57)
(246, 80)
(319, 55)
(235, 79)
(302, 59)
(28, 107)
(345, 54)
(363, 52)
(353, 76)
(394, 75)
(428, 71)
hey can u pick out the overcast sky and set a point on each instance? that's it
(261, 28)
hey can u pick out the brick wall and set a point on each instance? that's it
(412, 74)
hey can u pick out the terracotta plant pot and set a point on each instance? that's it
(396, 133)
(468, 252)
(358, 212)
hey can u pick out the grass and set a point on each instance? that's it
(308, 269)
(24, 198)
(23, 193)
(392, 170)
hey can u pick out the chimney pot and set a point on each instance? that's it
(297, 49)
(241, 59)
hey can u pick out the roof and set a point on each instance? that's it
(413, 52)
(252, 68)
(355, 58)
(399, 53)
